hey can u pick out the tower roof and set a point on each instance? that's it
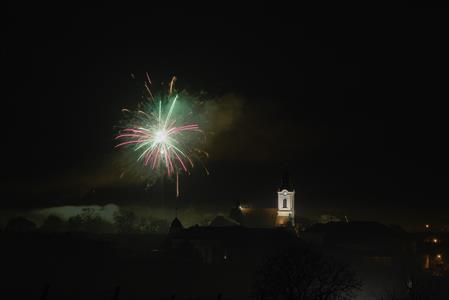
(176, 225)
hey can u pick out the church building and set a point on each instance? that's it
(248, 235)
(286, 204)
(281, 214)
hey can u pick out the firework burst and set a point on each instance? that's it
(162, 135)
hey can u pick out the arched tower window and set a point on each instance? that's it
(284, 203)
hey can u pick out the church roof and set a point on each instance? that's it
(356, 230)
(369, 238)
(259, 217)
(238, 234)
(222, 221)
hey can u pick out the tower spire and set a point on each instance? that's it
(285, 182)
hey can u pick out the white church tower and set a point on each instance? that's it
(286, 204)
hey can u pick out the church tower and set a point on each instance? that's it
(286, 203)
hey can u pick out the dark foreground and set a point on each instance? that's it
(219, 264)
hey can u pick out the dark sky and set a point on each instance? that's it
(352, 101)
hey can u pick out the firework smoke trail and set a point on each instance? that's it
(161, 138)
(172, 82)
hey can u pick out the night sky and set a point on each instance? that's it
(351, 101)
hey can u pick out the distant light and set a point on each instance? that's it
(240, 207)
(439, 256)
(435, 241)
(225, 257)
(427, 226)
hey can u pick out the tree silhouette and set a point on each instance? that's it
(75, 223)
(53, 224)
(160, 226)
(300, 273)
(125, 221)
(20, 224)
(88, 221)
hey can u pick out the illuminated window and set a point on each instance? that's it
(284, 205)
